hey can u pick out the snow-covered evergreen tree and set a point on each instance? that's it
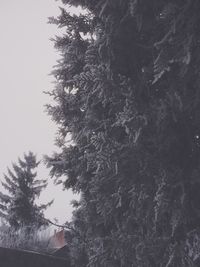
(18, 206)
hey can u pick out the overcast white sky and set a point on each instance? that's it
(26, 58)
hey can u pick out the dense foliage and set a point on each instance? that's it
(128, 95)
(18, 206)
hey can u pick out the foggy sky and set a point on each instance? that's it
(26, 58)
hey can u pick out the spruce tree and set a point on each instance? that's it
(128, 95)
(18, 206)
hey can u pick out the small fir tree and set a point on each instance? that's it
(18, 207)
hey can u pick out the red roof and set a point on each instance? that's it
(58, 240)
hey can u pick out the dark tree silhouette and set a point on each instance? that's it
(128, 95)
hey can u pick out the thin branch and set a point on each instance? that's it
(59, 225)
